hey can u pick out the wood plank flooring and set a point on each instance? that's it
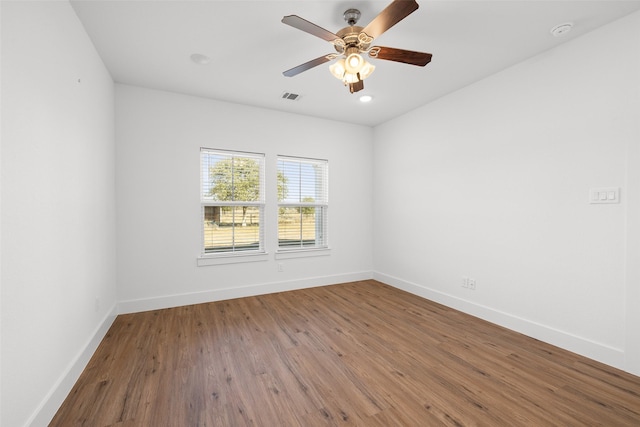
(359, 353)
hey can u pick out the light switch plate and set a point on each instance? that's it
(604, 195)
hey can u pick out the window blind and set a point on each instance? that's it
(232, 200)
(303, 203)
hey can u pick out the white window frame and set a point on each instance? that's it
(320, 203)
(235, 254)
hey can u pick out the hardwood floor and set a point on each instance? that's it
(359, 353)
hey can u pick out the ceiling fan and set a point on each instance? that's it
(352, 41)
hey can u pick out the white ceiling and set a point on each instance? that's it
(149, 43)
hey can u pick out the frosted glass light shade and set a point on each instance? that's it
(338, 69)
(354, 63)
(366, 70)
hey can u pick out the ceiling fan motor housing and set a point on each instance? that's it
(353, 37)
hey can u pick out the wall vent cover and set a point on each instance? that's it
(291, 96)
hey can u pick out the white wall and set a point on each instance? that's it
(492, 183)
(58, 216)
(159, 135)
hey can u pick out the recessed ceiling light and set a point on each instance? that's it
(200, 59)
(562, 29)
(366, 98)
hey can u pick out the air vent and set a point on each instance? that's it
(291, 96)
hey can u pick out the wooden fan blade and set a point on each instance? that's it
(357, 86)
(400, 55)
(390, 16)
(308, 65)
(309, 27)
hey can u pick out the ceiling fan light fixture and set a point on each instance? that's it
(351, 68)
(341, 72)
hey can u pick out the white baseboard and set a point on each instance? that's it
(597, 351)
(156, 303)
(52, 402)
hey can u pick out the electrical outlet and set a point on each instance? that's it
(465, 282)
(96, 306)
(280, 267)
(472, 284)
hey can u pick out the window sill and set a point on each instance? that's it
(206, 260)
(302, 253)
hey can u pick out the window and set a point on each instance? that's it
(302, 203)
(232, 199)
